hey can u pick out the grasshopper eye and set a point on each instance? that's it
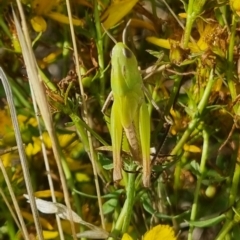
(127, 53)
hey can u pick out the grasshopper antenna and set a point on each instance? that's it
(108, 33)
(124, 36)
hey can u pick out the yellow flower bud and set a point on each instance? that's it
(38, 24)
(177, 54)
(235, 6)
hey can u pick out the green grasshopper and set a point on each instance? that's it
(129, 112)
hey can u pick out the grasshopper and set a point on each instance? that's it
(129, 112)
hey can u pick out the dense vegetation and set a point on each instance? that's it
(57, 59)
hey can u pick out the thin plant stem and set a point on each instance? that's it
(192, 125)
(232, 88)
(99, 44)
(21, 150)
(4, 27)
(124, 218)
(35, 80)
(23, 227)
(154, 8)
(194, 9)
(10, 228)
(46, 80)
(78, 124)
(229, 74)
(173, 14)
(19, 93)
(174, 93)
(201, 106)
(235, 183)
(202, 170)
(225, 230)
(189, 23)
(224, 233)
(228, 225)
(233, 194)
(85, 115)
(46, 162)
(130, 201)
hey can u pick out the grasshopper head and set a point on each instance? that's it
(125, 75)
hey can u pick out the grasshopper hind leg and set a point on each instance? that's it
(144, 131)
(116, 132)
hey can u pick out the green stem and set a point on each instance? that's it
(233, 192)
(46, 81)
(99, 43)
(65, 50)
(199, 182)
(195, 8)
(235, 185)
(187, 32)
(124, 218)
(81, 131)
(227, 228)
(10, 228)
(80, 128)
(20, 94)
(130, 201)
(5, 27)
(174, 93)
(192, 125)
(229, 74)
(189, 24)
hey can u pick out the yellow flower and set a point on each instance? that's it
(47, 140)
(179, 122)
(49, 8)
(5, 122)
(235, 6)
(38, 24)
(33, 122)
(165, 43)
(6, 159)
(160, 232)
(116, 11)
(207, 32)
(191, 148)
(209, 37)
(33, 148)
(67, 139)
(126, 237)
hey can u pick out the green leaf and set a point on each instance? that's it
(110, 206)
(208, 222)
